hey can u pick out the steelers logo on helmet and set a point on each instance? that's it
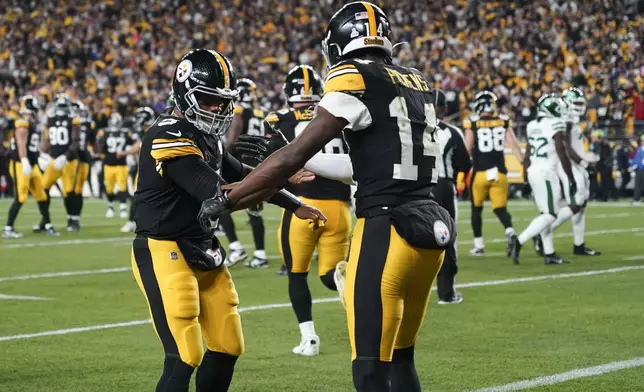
(205, 88)
(303, 85)
(356, 27)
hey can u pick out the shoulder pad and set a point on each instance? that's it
(238, 109)
(283, 111)
(259, 113)
(272, 118)
(76, 121)
(21, 123)
(344, 77)
(172, 139)
(100, 133)
(504, 117)
(473, 117)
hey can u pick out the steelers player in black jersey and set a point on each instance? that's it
(189, 291)
(75, 197)
(248, 119)
(486, 134)
(61, 140)
(398, 243)
(143, 118)
(24, 169)
(112, 142)
(303, 89)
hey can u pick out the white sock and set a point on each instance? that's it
(8, 228)
(110, 204)
(236, 245)
(478, 242)
(536, 227)
(510, 232)
(307, 329)
(579, 227)
(48, 226)
(75, 218)
(260, 254)
(563, 215)
(548, 241)
(123, 206)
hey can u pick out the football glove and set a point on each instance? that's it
(212, 209)
(252, 150)
(60, 162)
(26, 167)
(526, 191)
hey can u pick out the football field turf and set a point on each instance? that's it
(73, 319)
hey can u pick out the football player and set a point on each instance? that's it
(247, 120)
(486, 133)
(85, 129)
(303, 89)
(61, 139)
(24, 168)
(190, 293)
(547, 140)
(112, 141)
(398, 243)
(574, 109)
(143, 119)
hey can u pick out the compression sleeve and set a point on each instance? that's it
(286, 200)
(332, 166)
(193, 175)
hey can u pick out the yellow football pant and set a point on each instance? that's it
(297, 240)
(115, 176)
(387, 289)
(481, 187)
(74, 175)
(187, 304)
(25, 185)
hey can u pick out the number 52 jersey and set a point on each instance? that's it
(391, 131)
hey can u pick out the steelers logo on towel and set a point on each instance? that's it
(184, 70)
(441, 232)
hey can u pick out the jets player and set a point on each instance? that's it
(547, 138)
(486, 133)
(24, 169)
(247, 120)
(112, 141)
(575, 108)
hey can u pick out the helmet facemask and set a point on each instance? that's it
(206, 121)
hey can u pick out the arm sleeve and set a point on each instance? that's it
(231, 169)
(286, 200)
(332, 166)
(462, 161)
(192, 174)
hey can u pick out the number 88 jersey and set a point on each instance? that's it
(391, 130)
(489, 140)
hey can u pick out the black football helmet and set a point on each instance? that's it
(29, 105)
(246, 88)
(80, 110)
(62, 105)
(303, 84)
(485, 102)
(204, 80)
(144, 117)
(358, 25)
(115, 122)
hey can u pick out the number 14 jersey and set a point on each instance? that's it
(391, 131)
(489, 141)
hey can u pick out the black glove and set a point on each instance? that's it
(572, 185)
(526, 191)
(252, 150)
(212, 209)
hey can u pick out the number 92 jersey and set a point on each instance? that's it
(489, 141)
(391, 130)
(33, 138)
(291, 122)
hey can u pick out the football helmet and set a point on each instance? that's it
(29, 105)
(575, 101)
(358, 25)
(550, 105)
(62, 105)
(144, 116)
(485, 102)
(81, 110)
(303, 84)
(205, 88)
(115, 121)
(246, 88)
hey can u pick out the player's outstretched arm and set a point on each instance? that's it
(511, 139)
(469, 140)
(332, 166)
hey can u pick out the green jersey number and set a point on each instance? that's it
(536, 144)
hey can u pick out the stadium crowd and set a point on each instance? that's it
(116, 55)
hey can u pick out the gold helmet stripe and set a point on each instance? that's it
(307, 84)
(372, 18)
(224, 66)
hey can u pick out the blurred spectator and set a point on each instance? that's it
(604, 166)
(637, 164)
(622, 157)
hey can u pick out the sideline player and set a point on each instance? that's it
(24, 168)
(547, 139)
(486, 133)
(389, 123)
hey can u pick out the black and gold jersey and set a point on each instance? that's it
(391, 131)
(33, 139)
(489, 140)
(84, 138)
(59, 132)
(164, 210)
(253, 119)
(112, 142)
(291, 122)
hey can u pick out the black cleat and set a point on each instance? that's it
(282, 271)
(583, 251)
(555, 259)
(51, 231)
(515, 248)
(538, 245)
(39, 228)
(73, 226)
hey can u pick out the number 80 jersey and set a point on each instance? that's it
(489, 140)
(391, 131)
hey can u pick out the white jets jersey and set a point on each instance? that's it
(576, 137)
(541, 133)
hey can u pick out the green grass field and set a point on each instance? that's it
(503, 333)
